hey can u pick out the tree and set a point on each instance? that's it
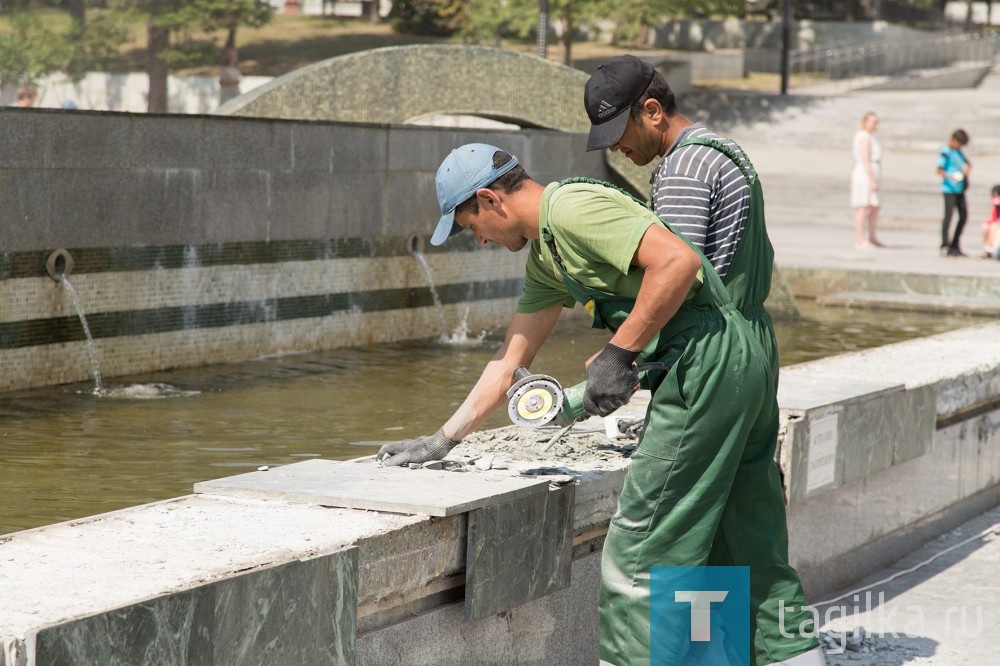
(178, 33)
(31, 50)
(429, 17)
(37, 46)
(518, 19)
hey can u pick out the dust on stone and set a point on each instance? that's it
(519, 450)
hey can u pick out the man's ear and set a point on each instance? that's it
(487, 196)
(653, 110)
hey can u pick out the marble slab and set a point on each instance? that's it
(302, 612)
(368, 486)
(873, 433)
(518, 551)
(804, 391)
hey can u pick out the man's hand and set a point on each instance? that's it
(612, 378)
(419, 450)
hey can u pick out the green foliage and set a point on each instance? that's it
(191, 24)
(441, 18)
(31, 49)
(95, 41)
(488, 20)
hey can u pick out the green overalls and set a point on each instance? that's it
(748, 279)
(702, 487)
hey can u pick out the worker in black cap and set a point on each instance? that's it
(706, 189)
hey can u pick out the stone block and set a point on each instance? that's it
(416, 149)
(301, 207)
(92, 204)
(28, 200)
(561, 629)
(866, 426)
(27, 140)
(365, 485)
(518, 551)
(89, 141)
(160, 145)
(234, 145)
(303, 612)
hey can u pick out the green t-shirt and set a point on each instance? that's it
(597, 231)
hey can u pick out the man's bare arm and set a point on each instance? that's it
(525, 335)
(670, 269)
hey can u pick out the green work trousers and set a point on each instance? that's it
(703, 489)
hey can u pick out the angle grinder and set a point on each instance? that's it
(537, 400)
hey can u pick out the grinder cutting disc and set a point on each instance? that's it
(535, 403)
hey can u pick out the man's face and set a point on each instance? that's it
(491, 224)
(640, 142)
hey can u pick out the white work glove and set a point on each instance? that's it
(419, 450)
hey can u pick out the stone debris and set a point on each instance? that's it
(864, 648)
(485, 462)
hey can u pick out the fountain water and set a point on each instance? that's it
(416, 249)
(460, 335)
(58, 265)
(91, 349)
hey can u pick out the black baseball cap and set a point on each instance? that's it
(609, 94)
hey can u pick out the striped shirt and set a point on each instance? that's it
(702, 194)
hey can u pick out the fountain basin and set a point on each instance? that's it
(391, 577)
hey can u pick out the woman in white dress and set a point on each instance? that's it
(865, 182)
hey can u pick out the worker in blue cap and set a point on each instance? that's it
(702, 488)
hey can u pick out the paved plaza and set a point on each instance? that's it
(941, 604)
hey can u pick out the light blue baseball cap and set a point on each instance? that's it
(465, 170)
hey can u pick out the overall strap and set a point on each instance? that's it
(597, 181)
(547, 237)
(739, 158)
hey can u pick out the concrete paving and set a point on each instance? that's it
(940, 605)
(801, 147)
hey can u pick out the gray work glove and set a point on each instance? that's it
(612, 378)
(419, 450)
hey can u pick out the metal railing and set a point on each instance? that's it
(848, 63)
(894, 57)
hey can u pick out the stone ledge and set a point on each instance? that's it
(909, 302)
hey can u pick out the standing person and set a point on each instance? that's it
(26, 95)
(991, 227)
(865, 180)
(704, 186)
(702, 487)
(954, 167)
(229, 76)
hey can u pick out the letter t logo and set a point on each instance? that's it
(701, 610)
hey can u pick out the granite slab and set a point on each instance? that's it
(301, 612)
(806, 390)
(518, 552)
(368, 486)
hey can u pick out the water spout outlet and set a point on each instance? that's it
(415, 245)
(59, 263)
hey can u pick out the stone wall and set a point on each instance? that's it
(200, 239)
(404, 83)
